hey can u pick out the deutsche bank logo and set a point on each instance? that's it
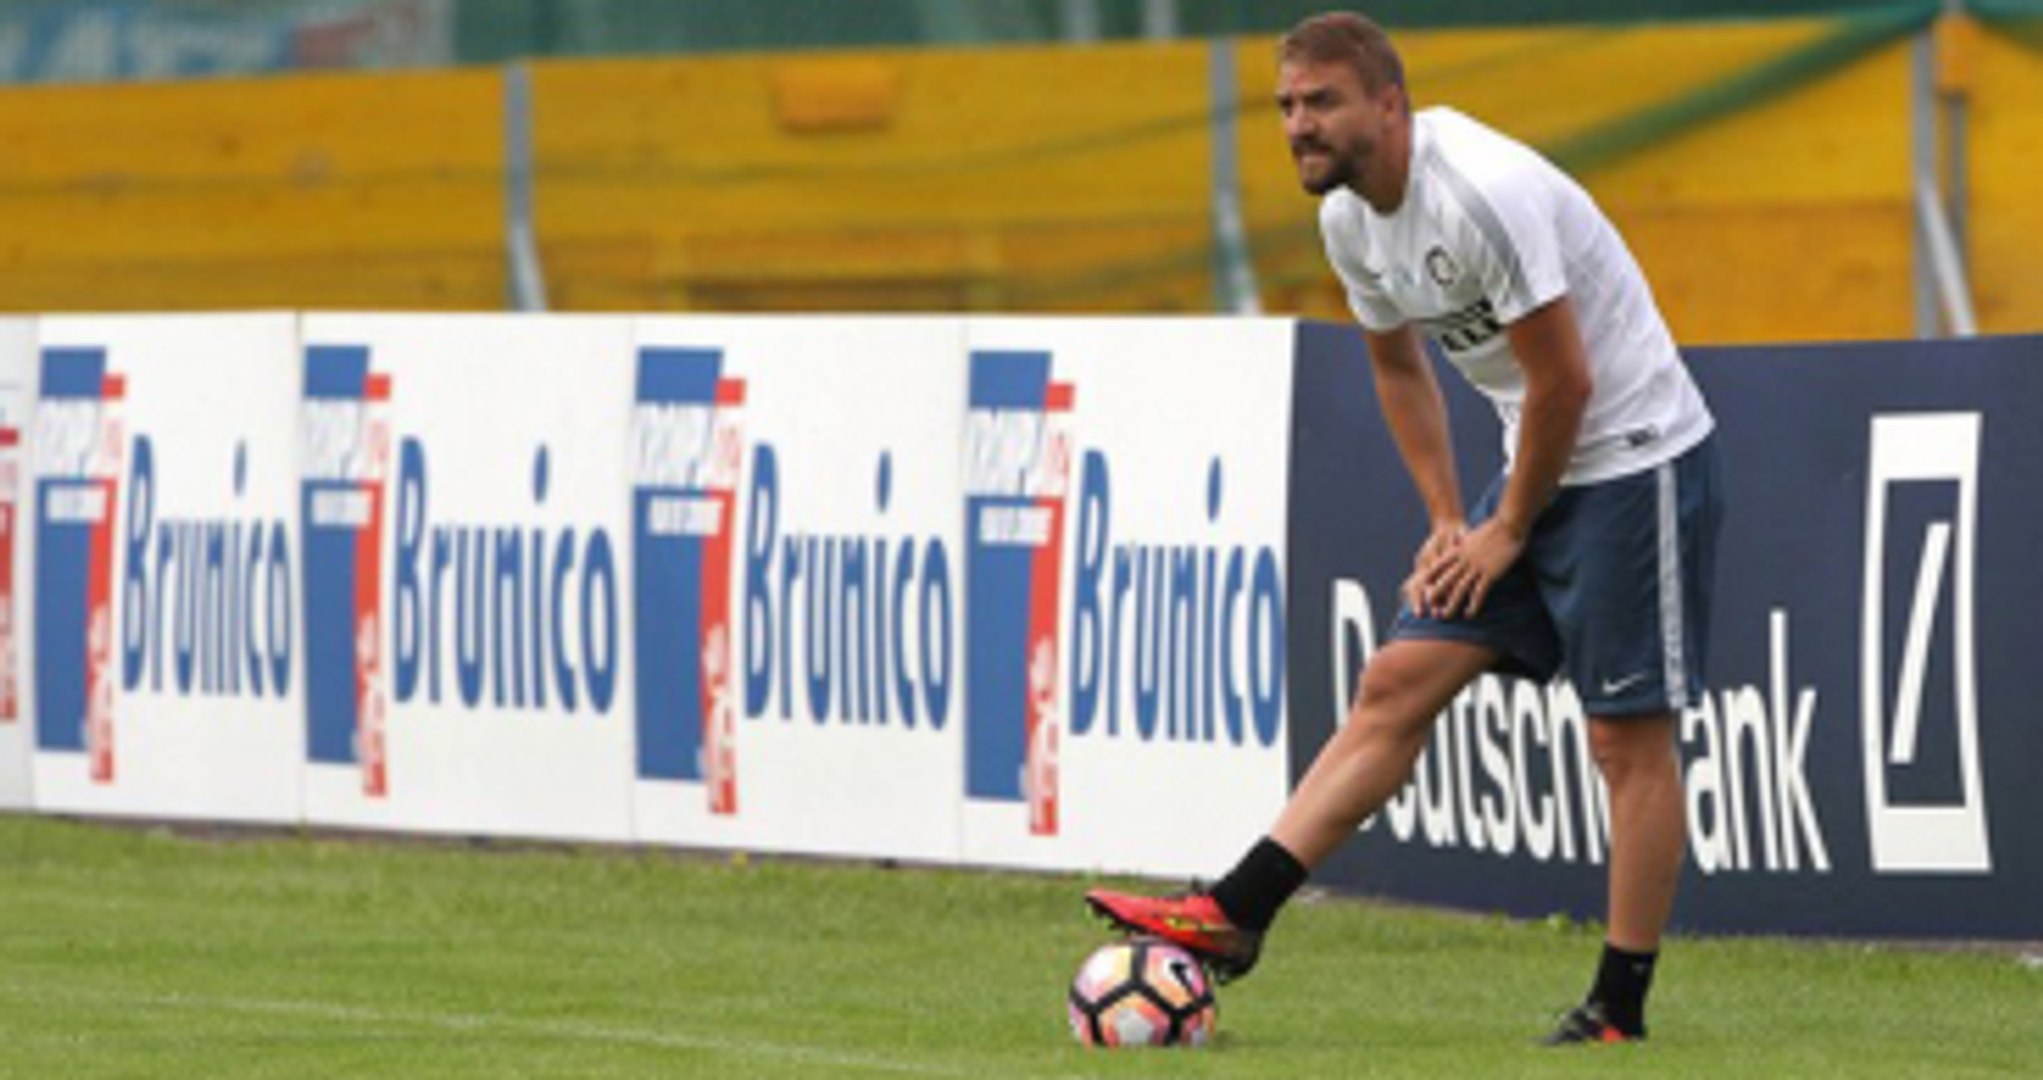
(1940, 449)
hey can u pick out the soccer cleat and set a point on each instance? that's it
(1587, 1023)
(1191, 920)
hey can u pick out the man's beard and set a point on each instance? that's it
(1338, 172)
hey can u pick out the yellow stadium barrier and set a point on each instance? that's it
(339, 191)
(1759, 169)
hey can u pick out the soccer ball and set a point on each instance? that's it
(1142, 992)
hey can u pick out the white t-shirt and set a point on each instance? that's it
(1489, 232)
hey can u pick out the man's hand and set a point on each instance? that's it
(1457, 583)
(1439, 546)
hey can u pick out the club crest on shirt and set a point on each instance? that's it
(1440, 266)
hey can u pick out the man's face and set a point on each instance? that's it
(1333, 124)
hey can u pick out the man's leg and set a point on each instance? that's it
(1403, 689)
(1648, 837)
(1626, 572)
(1648, 824)
(1404, 686)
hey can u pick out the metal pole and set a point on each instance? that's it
(1160, 19)
(1234, 271)
(1922, 167)
(1943, 291)
(1957, 173)
(1954, 90)
(1953, 292)
(527, 285)
(1081, 21)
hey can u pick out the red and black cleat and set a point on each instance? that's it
(1191, 920)
(1587, 1023)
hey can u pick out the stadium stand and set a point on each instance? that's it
(1760, 167)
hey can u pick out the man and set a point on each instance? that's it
(1588, 556)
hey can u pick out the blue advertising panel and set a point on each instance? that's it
(346, 451)
(1863, 762)
(79, 439)
(684, 465)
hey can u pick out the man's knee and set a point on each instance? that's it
(1632, 746)
(1392, 699)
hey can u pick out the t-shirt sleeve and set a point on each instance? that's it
(1366, 298)
(1372, 309)
(1509, 240)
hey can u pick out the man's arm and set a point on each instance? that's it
(1548, 344)
(1549, 347)
(1412, 407)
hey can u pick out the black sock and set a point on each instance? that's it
(1259, 884)
(1622, 979)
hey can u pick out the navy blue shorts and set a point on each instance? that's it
(1611, 590)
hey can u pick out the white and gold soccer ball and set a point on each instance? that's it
(1142, 992)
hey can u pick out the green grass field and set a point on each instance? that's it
(141, 953)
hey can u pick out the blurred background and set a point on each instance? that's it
(1784, 171)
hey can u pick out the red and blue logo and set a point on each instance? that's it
(345, 463)
(688, 451)
(80, 441)
(1018, 452)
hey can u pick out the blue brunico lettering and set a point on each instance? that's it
(1196, 631)
(520, 616)
(216, 591)
(868, 618)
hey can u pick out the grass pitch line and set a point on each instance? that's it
(479, 1023)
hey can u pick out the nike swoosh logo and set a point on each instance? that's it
(1619, 686)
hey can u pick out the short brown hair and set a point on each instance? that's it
(1343, 37)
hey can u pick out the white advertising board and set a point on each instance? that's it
(1124, 565)
(467, 590)
(800, 604)
(17, 404)
(167, 669)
